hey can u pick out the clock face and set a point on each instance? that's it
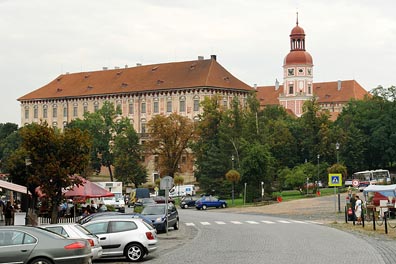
(290, 72)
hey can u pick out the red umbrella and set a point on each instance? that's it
(88, 190)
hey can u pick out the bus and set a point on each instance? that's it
(368, 177)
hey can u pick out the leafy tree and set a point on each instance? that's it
(169, 138)
(8, 141)
(127, 158)
(103, 125)
(55, 158)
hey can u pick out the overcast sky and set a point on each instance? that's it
(41, 39)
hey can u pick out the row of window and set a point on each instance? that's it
(143, 108)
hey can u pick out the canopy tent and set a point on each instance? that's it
(13, 187)
(385, 190)
(88, 190)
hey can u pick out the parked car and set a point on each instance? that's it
(209, 201)
(144, 201)
(109, 215)
(157, 214)
(34, 245)
(161, 199)
(74, 230)
(129, 237)
(188, 201)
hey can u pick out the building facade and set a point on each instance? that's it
(140, 92)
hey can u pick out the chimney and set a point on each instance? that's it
(276, 84)
(339, 85)
(255, 86)
(138, 64)
(213, 57)
(126, 66)
(104, 68)
(116, 67)
(200, 57)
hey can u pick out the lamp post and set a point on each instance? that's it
(337, 148)
(27, 163)
(262, 191)
(318, 168)
(233, 182)
(338, 190)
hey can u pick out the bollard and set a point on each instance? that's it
(362, 218)
(385, 223)
(346, 215)
(373, 219)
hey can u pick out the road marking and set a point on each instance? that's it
(314, 222)
(236, 222)
(267, 222)
(252, 222)
(205, 223)
(220, 222)
(298, 222)
(190, 224)
(284, 222)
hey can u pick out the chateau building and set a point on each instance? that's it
(298, 85)
(140, 92)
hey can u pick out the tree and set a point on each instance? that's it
(169, 138)
(103, 125)
(127, 158)
(55, 158)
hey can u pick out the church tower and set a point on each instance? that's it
(297, 73)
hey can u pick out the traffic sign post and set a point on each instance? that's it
(166, 184)
(335, 180)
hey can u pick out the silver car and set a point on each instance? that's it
(129, 237)
(27, 244)
(73, 230)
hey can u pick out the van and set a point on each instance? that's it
(182, 190)
(137, 194)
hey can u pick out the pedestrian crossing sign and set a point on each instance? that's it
(335, 179)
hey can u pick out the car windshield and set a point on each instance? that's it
(153, 210)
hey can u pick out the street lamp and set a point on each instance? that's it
(232, 159)
(337, 148)
(262, 191)
(318, 168)
(233, 182)
(338, 190)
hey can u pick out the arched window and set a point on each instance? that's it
(182, 104)
(196, 103)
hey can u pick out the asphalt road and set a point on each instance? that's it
(227, 236)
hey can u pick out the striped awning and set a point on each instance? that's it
(13, 187)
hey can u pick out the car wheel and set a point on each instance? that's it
(176, 226)
(185, 206)
(204, 207)
(134, 252)
(41, 261)
(223, 205)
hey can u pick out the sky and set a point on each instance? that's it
(42, 39)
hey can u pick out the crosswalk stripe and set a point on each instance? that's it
(190, 224)
(284, 222)
(236, 222)
(252, 222)
(298, 222)
(220, 222)
(205, 223)
(267, 222)
(314, 222)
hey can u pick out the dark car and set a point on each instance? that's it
(161, 199)
(209, 201)
(157, 214)
(33, 245)
(188, 201)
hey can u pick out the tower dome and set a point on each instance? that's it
(297, 54)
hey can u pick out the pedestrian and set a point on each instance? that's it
(94, 207)
(358, 210)
(353, 204)
(2, 205)
(8, 213)
(350, 192)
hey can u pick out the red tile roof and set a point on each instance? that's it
(325, 91)
(156, 77)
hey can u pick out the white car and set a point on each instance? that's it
(129, 237)
(74, 230)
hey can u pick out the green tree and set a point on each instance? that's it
(169, 137)
(127, 158)
(103, 125)
(54, 159)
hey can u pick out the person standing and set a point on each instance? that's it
(353, 204)
(8, 213)
(2, 205)
(358, 210)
